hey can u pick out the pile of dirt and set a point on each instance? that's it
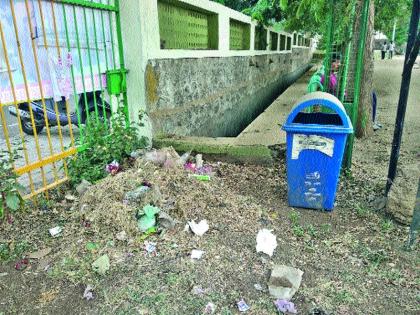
(180, 195)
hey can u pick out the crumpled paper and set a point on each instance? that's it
(266, 242)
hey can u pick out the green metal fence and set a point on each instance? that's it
(64, 69)
(240, 35)
(185, 27)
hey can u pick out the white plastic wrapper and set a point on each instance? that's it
(266, 242)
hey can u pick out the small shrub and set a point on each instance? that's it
(294, 217)
(10, 198)
(102, 146)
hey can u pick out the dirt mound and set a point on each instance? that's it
(182, 196)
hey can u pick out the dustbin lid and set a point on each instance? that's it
(323, 99)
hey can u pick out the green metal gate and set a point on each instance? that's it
(62, 65)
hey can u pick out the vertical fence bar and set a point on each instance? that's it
(99, 68)
(76, 100)
(121, 57)
(12, 87)
(25, 81)
(57, 43)
(90, 65)
(38, 74)
(81, 64)
(105, 48)
(58, 116)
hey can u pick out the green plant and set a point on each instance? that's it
(102, 145)
(362, 211)
(298, 231)
(10, 198)
(294, 217)
(387, 225)
(14, 250)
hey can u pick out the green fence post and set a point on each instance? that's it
(358, 82)
(121, 57)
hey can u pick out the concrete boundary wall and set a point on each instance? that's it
(140, 28)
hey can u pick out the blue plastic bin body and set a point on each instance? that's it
(315, 149)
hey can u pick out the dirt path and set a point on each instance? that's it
(375, 152)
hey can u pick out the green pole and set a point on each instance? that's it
(358, 82)
(330, 38)
(76, 100)
(90, 65)
(121, 57)
(343, 84)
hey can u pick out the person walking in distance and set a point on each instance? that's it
(391, 49)
(383, 50)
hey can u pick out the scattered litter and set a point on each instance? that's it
(285, 306)
(190, 166)
(319, 311)
(92, 246)
(196, 254)
(10, 219)
(166, 157)
(83, 187)
(40, 253)
(121, 236)
(242, 306)
(156, 157)
(186, 228)
(88, 294)
(136, 195)
(113, 168)
(266, 242)
(166, 221)
(22, 264)
(150, 248)
(284, 281)
(147, 217)
(101, 265)
(146, 183)
(200, 228)
(199, 161)
(202, 178)
(258, 287)
(210, 308)
(197, 290)
(70, 198)
(56, 231)
(205, 170)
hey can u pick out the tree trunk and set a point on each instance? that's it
(364, 123)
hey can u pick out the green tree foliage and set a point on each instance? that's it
(311, 15)
(389, 11)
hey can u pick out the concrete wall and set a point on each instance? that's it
(179, 88)
(217, 97)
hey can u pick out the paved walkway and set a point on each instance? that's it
(266, 128)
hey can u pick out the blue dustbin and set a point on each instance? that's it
(315, 149)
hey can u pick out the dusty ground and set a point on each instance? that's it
(353, 258)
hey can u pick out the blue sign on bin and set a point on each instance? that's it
(315, 147)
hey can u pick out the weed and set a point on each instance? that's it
(387, 226)
(362, 211)
(326, 228)
(343, 297)
(10, 198)
(102, 146)
(298, 231)
(312, 231)
(294, 217)
(13, 251)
